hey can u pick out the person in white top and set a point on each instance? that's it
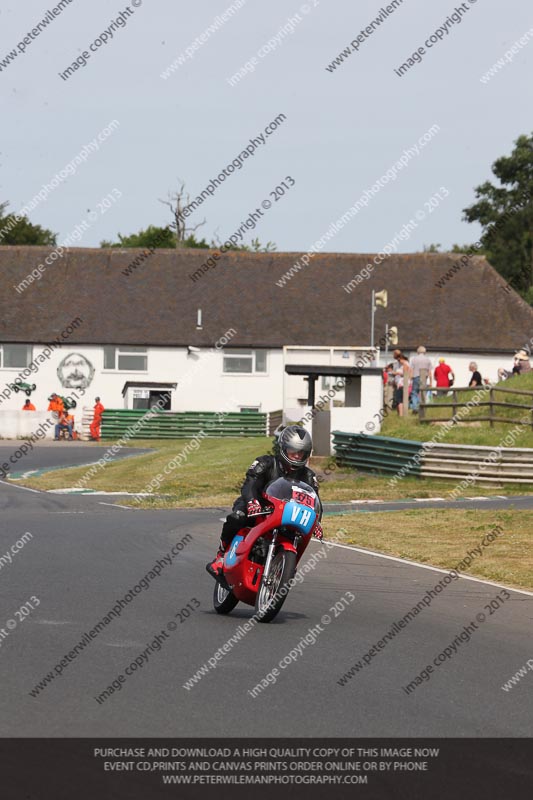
(417, 363)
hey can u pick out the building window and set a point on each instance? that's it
(14, 356)
(126, 359)
(245, 361)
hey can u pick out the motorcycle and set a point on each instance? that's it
(262, 559)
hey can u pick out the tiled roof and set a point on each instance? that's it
(157, 304)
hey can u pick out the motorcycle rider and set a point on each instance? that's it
(292, 453)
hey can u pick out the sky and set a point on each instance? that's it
(342, 129)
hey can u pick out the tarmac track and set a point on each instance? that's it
(86, 553)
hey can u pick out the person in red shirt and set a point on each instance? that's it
(97, 420)
(28, 406)
(442, 376)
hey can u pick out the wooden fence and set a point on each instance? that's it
(491, 404)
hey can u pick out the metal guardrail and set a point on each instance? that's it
(375, 453)
(275, 418)
(117, 423)
(384, 454)
(488, 464)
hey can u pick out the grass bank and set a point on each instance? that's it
(442, 538)
(212, 476)
(473, 432)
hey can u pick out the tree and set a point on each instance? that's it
(15, 230)
(255, 246)
(192, 241)
(152, 237)
(431, 248)
(178, 204)
(465, 248)
(506, 214)
(178, 234)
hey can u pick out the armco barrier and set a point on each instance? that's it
(488, 464)
(177, 424)
(375, 453)
(384, 454)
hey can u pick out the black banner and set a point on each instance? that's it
(143, 769)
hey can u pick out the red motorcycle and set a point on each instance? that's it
(262, 559)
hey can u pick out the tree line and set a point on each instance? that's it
(504, 210)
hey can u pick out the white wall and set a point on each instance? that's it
(296, 388)
(202, 386)
(359, 419)
(487, 365)
(22, 424)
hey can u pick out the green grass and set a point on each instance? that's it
(213, 474)
(210, 475)
(442, 537)
(473, 432)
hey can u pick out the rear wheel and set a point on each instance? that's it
(224, 600)
(275, 586)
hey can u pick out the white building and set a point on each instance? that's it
(220, 337)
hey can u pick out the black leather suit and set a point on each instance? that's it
(263, 470)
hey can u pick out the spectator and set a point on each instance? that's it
(504, 374)
(402, 374)
(56, 405)
(388, 389)
(476, 379)
(70, 421)
(522, 362)
(28, 406)
(442, 374)
(65, 422)
(97, 420)
(417, 363)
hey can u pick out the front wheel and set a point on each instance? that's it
(224, 600)
(275, 586)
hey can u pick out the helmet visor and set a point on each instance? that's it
(297, 456)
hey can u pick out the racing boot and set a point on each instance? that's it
(215, 567)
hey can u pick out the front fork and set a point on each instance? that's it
(270, 556)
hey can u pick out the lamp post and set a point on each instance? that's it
(378, 299)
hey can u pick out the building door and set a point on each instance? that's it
(162, 399)
(321, 433)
